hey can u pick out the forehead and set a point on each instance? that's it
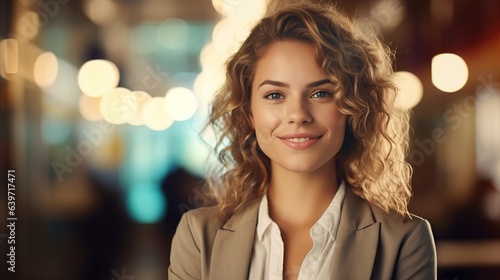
(289, 61)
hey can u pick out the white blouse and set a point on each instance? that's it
(268, 251)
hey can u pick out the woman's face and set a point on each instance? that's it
(296, 120)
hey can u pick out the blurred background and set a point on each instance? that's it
(102, 104)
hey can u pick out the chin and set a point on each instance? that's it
(300, 167)
(306, 165)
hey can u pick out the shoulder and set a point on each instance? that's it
(398, 225)
(395, 230)
(191, 243)
(201, 221)
(205, 221)
(202, 214)
(363, 213)
(408, 236)
(410, 243)
(391, 222)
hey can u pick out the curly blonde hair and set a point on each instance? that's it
(372, 159)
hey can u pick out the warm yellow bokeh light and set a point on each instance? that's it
(224, 7)
(487, 132)
(154, 115)
(180, 103)
(449, 72)
(249, 11)
(90, 107)
(213, 68)
(96, 77)
(240, 17)
(208, 55)
(410, 89)
(45, 69)
(101, 12)
(118, 106)
(142, 97)
(206, 84)
(243, 10)
(228, 35)
(9, 57)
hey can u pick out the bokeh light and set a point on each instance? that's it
(225, 7)
(90, 107)
(101, 12)
(449, 72)
(239, 16)
(487, 116)
(142, 97)
(206, 85)
(208, 55)
(118, 106)
(96, 77)
(228, 35)
(9, 52)
(155, 116)
(45, 69)
(146, 203)
(180, 103)
(410, 89)
(243, 10)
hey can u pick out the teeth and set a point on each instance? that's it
(298, 140)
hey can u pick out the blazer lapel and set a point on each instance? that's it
(357, 239)
(233, 244)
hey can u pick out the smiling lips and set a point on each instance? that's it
(300, 141)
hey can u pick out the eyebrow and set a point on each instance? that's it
(285, 85)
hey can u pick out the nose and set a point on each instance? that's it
(297, 111)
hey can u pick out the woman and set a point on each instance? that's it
(315, 182)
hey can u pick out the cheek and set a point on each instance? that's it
(337, 123)
(264, 123)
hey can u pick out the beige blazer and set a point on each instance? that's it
(370, 244)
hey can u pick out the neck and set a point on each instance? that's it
(299, 199)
